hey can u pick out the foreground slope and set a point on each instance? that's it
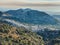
(10, 35)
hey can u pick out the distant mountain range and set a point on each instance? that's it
(57, 17)
(28, 18)
(31, 16)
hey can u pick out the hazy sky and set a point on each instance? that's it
(27, 0)
(50, 6)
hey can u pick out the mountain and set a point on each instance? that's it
(26, 26)
(31, 16)
(28, 18)
(10, 35)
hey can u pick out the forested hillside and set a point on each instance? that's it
(10, 35)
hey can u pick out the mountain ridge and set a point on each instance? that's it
(32, 16)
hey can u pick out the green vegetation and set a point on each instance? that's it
(10, 35)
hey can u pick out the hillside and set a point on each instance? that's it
(51, 37)
(49, 34)
(10, 35)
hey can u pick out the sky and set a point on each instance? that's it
(28, 0)
(49, 6)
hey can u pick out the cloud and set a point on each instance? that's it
(30, 4)
(31, 1)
